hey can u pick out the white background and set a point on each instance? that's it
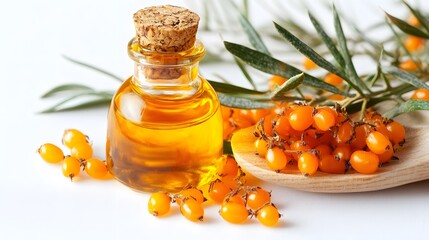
(37, 202)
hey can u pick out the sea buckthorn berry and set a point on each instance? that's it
(257, 197)
(323, 149)
(310, 138)
(342, 152)
(387, 155)
(230, 181)
(336, 97)
(299, 145)
(345, 133)
(234, 212)
(396, 132)
(82, 151)
(329, 164)
(191, 193)
(324, 119)
(309, 64)
(242, 118)
(218, 190)
(71, 167)
(228, 167)
(159, 203)
(283, 128)
(308, 163)
(421, 94)
(236, 198)
(258, 114)
(410, 65)
(364, 162)
(226, 112)
(301, 118)
(96, 168)
(268, 215)
(414, 44)
(380, 127)
(51, 153)
(192, 210)
(228, 129)
(276, 158)
(73, 136)
(275, 81)
(261, 147)
(377, 142)
(268, 124)
(333, 79)
(413, 21)
(358, 141)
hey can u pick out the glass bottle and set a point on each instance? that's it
(164, 123)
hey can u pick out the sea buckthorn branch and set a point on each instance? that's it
(357, 94)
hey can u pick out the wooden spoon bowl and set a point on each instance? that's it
(412, 166)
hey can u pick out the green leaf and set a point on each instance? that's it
(241, 102)
(307, 51)
(407, 77)
(408, 106)
(100, 98)
(422, 19)
(290, 84)
(66, 88)
(350, 68)
(244, 71)
(253, 35)
(119, 79)
(227, 149)
(268, 64)
(327, 40)
(228, 88)
(407, 28)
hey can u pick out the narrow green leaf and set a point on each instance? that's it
(119, 79)
(306, 50)
(66, 88)
(228, 88)
(407, 77)
(100, 97)
(290, 84)
(422, 19)
(407, 28)
(84, 105)
(268, 64)
(240, 102)
(227, 149)
(253, 35)
(350, 68)
(327, 40)
(60, 107)
(408, 106)
(244, 71)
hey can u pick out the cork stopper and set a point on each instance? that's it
(166, 28)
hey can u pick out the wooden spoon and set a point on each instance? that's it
(412, 166)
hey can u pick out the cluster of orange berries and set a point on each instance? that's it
(238, 201)
(326, 139)
(80, 158)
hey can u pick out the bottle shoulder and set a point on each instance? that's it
(165, 110)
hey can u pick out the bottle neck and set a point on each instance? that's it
(169, 74)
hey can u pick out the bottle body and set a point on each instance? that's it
(164, 132)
